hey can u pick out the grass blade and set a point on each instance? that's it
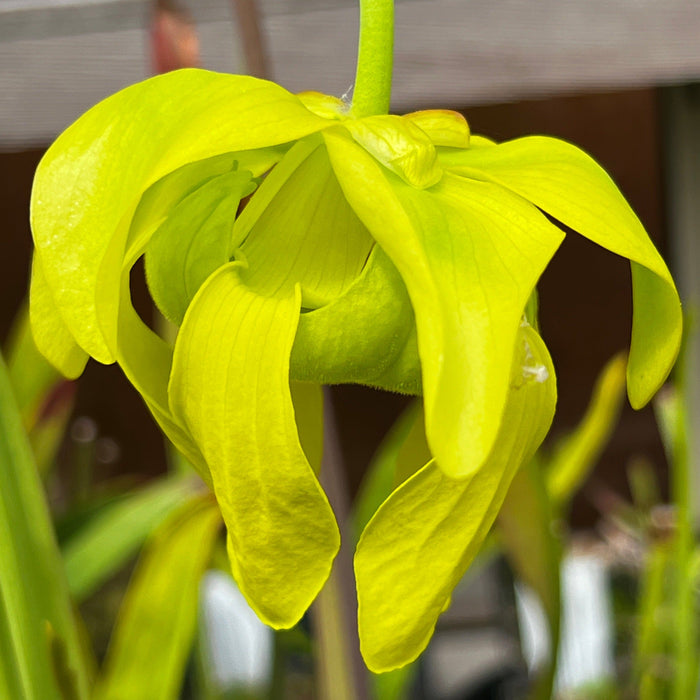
(156, 625)
(33, 590)
(111, 537)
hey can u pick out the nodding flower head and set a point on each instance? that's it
(396, 252)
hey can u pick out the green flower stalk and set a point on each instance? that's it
(396, 252)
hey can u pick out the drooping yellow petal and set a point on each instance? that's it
(422, 539)
(570, 186)
(230, 386)
(146, 360)
(298, 228)
(91, 178)
(470, 254)
(51, 335)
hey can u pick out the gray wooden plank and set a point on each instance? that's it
(59, 56)
(46, 85)
(463, 52)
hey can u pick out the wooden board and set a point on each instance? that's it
(57, 58)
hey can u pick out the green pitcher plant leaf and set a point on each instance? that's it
(530, 542)
(36, 616)
(293, 241)
(155, 628)
(573, 458)
(32, 377)
(402, 452)
(114, 534)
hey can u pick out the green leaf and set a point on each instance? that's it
(402, 452)
(396, 684)
(528, 535)
(48, 435)
(230, 386)
(44, 398)
(33, 590)
(105, 543)
(96, 171)
(668, 411)
(470, 254)
(194, 241)
(653, 629)
(31, 375)
(155, 628)
(525, 527)
(422, 539)
(570, 186)
(578, 452)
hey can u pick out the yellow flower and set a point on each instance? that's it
(398, 252)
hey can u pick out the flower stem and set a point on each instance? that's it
(375, 55)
